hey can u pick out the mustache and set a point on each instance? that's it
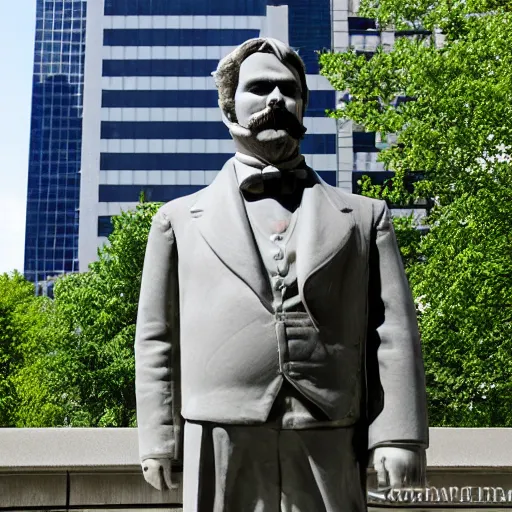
(277, 118)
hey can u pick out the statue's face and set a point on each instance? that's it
(268, 99)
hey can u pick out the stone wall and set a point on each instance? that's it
(81, 469)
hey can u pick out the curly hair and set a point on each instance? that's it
(228, 71)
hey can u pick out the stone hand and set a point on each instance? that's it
(400, 466)
(157, 472)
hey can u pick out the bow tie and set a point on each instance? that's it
(288, 173)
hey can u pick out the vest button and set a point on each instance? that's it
(278, 284)
(279, 256)
(283, 269)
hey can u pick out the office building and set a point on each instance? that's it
(51, 238)
(151, 123)
(151, 120)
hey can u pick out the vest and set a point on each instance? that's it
(291, 410)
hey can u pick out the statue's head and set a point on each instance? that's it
(263, 95)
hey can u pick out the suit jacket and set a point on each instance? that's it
(206, 343)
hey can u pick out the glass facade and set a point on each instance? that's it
(161, 128)
(51, 239)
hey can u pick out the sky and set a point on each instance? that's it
(17, 31)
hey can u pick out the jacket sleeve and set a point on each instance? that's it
(394, 360)
(157, 375)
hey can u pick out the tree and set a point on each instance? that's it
(85, 360)
(465, 294)
(16, 295)
(41, 378)
(455, 131)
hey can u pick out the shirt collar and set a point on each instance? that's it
(251, 172)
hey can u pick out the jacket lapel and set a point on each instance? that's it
(222, 220)
(326, 225)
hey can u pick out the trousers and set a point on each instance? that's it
(232, 468)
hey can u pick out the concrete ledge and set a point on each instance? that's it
(99, 488)
(86, 468)
(34, 490)
(470, 447)
(116, 448)
(68, 448)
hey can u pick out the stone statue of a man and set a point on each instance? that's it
(276, 326)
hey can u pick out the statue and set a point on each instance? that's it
(276, 327)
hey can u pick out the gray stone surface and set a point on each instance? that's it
(102, 488)
(32, 490)
(102, 465)
(470, 447)
(68, 448)
(75, 448)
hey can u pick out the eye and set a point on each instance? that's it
(289, 89)
(260, 88)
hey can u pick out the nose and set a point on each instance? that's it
(275, 98)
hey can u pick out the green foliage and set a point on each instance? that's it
(456, 132)
(69, 361)
(42, 378)
(16, 296)
(100, 308)
(465, 296)
(409, 240)
(462, 108)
